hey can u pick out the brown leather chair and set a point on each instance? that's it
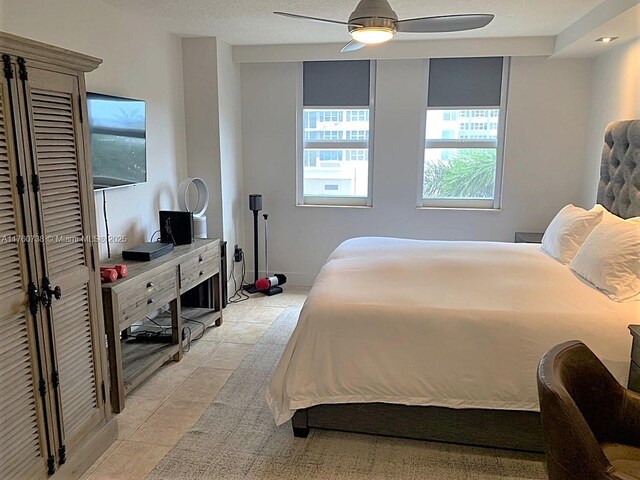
(591, 424)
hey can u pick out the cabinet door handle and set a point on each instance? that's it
(49, 293)
(150, 301)
(150, 285)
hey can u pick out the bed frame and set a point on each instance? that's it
(514, 430)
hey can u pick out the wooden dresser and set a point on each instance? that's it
(171, 280)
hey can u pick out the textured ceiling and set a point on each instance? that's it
(251, 22)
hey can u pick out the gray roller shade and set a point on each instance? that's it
(465, 82)
(336, 84)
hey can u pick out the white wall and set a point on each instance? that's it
(140, 61)
(545, 148)
(214, 134)
(230, 151)
(615, 95)
(200, 73)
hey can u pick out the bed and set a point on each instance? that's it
(441, 340)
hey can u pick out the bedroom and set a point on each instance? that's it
(222, 86)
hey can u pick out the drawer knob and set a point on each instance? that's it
(201, 258)
(201, 273)
(150, 301)
(150, 285)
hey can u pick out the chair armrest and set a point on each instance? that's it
(620, 476)
(630, 419)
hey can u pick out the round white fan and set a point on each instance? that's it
(199, 207)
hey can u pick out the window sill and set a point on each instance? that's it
(313, 205)
(464, 209)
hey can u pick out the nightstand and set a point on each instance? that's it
(634, 369)
(528, 237)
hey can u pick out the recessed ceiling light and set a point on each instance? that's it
(606, 39)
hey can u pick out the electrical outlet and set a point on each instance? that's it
(238, 254)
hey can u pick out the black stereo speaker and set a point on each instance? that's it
(176, 227)
(255, 202)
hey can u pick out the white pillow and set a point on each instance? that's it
(610, 260)
(609, 217)
(568, 231)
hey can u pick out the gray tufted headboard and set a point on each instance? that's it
(619, 187)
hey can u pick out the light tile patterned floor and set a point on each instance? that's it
(163, 408)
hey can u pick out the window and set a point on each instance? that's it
(334, 159)
(462, 165)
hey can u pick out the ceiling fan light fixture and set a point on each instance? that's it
(372, 35)
(375, 22)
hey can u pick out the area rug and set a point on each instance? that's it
(236, 438)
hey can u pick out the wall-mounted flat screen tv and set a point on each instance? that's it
(118, 140)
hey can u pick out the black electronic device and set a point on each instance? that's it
(176, 227)
(155, 337)
(147, 251)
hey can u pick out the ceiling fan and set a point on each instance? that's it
(374, 21)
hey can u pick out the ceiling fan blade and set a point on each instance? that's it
(352, 46)
(313, 19)
(444, 23)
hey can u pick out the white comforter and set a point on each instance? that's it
(454, 324)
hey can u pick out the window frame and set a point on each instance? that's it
(499, 144)
(303, 200)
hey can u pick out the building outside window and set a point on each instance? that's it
(464, 134)
(335, 133)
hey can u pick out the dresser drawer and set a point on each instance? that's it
(146, 296)
(198, 267)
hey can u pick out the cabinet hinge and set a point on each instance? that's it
(34, 298)
(55, 379)
(80, 109)
(62, 454)
(42, 387)
(51, 465)
(104, 393)
(22, 69)
(20, 184)
(35, 181)
(8, 69)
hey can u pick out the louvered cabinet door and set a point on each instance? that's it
(23, 427)
(53, 111)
